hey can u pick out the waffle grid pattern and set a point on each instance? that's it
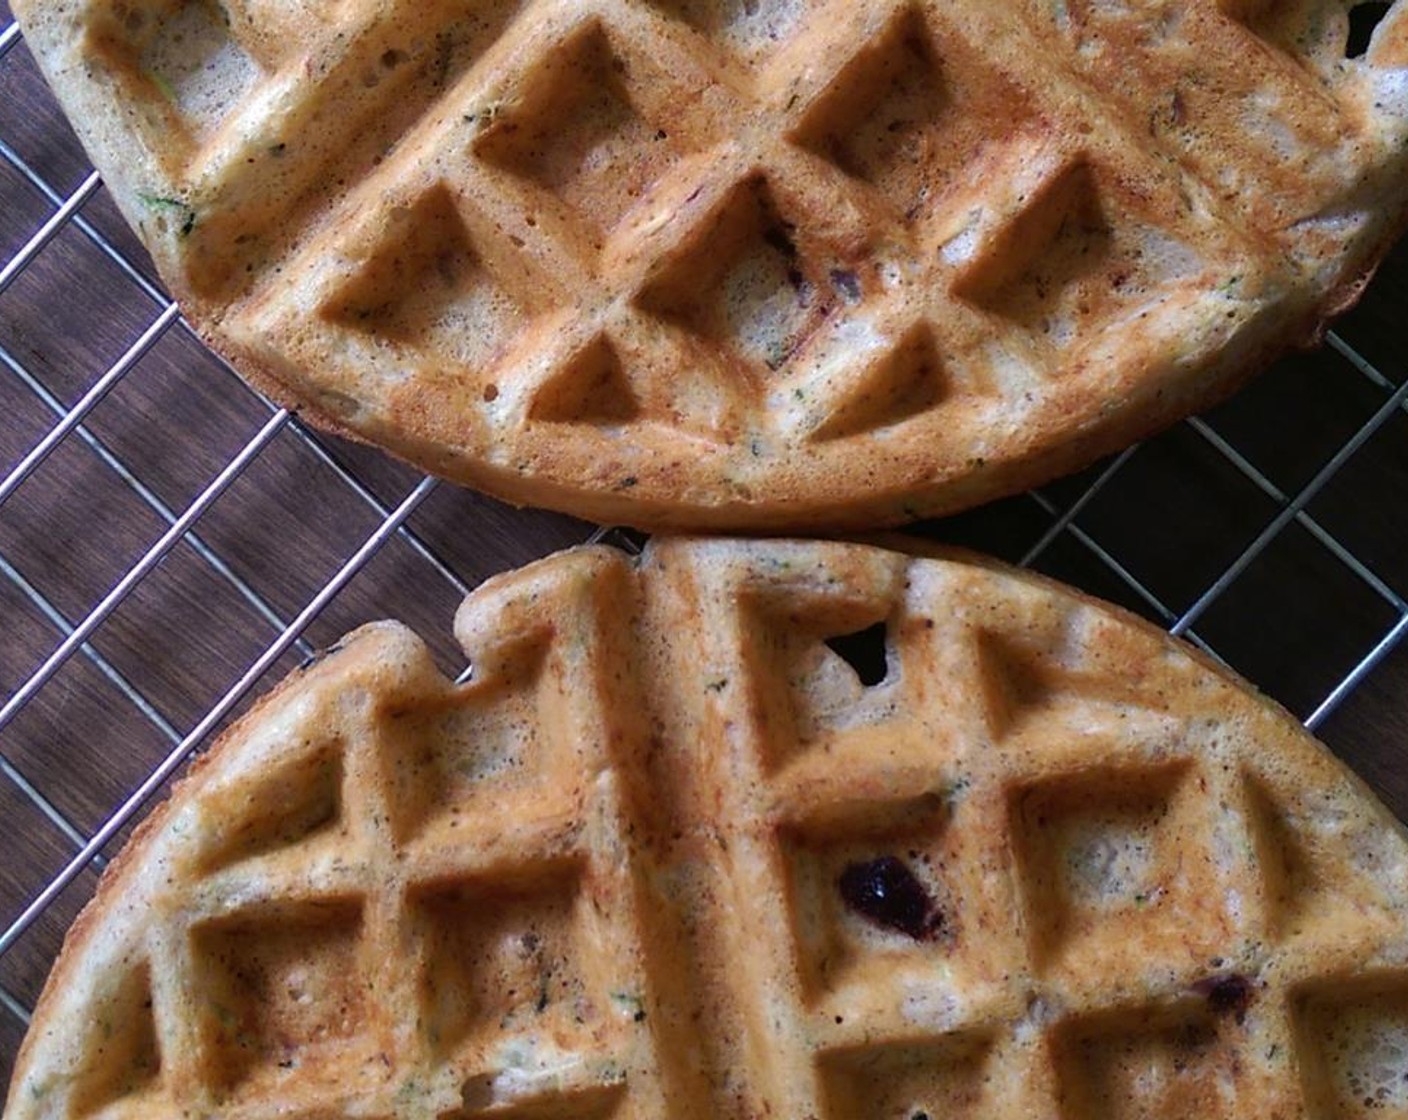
(395, 522)
(1014, 836)
(377, 929)
(753, 180)
(551, 182)
(1106, 944)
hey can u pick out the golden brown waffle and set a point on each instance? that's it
(745, 263)
(742, 830)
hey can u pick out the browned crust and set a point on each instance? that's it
(1221, 378)
(122, 866)
(1287, 745)
(798, 494)
(999, 480)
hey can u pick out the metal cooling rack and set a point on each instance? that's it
(1057, 530)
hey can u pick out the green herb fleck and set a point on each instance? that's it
(608, 1071)
(632, 1005)
(223, 1015)
(164, 87)
(174, 206)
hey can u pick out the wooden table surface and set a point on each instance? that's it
(1172, 518)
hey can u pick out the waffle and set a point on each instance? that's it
(741, 830)
(745, 264)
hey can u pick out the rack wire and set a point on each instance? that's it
(1071, 529)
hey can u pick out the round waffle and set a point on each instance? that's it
(741, 830)
(753, 264)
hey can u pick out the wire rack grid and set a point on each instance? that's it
(156, 571)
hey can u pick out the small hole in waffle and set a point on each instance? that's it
(865, 651)
(1364, 20)
(831, 666)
